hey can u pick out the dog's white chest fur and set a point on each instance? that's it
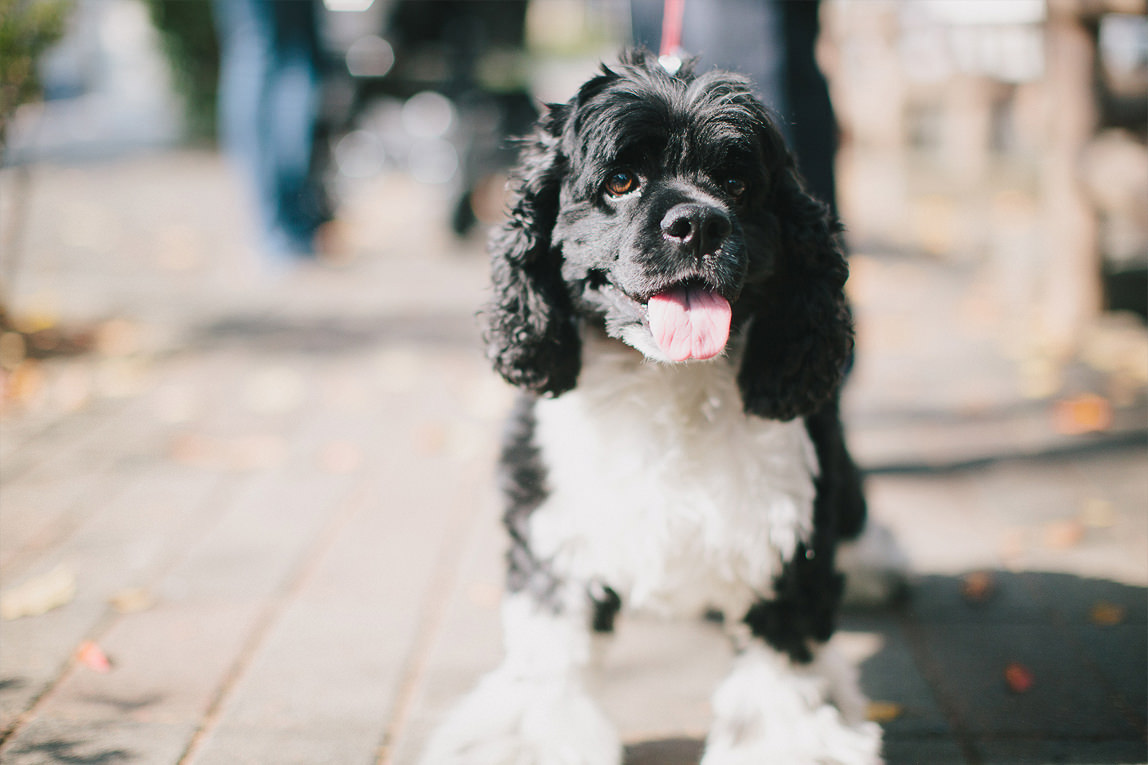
(662, 488)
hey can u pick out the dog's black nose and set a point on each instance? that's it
(698, 228)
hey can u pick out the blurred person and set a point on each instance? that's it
(269, 101)
(773, 43)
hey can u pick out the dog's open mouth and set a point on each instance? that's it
(689, 321)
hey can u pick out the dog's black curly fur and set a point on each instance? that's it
(572, 256)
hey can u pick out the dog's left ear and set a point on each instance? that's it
(531, 335)
(801, 336)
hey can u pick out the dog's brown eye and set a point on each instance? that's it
(621, 183)
(735, 187)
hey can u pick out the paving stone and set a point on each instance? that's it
(1118, 651)
(107, 554)
(940, 525)
(1067, 750)
(679, 663)
(36, 652)
(971, 661)
(890, 676)
(167, 665)
(940, 600)
(466, 641)
(328, 745)
(922, 750)
(49, 741)
(337, 654)
(253, 549)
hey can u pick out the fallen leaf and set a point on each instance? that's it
(884, 711)
(1018, 678)
(24, 384)
(93, 657)
(13, 350)
(340, 457)
(1098, 514)
(1087, 413)
(256, 451)
(132, 600)
(978, 586)
(39, 595)
(1063, 535)
(194, 449)
(1105, 614)
(118, 337)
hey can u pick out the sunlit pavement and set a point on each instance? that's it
(256, 521)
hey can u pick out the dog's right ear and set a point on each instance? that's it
(532, 335)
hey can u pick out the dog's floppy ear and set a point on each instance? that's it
(801, 337)
(531, 334)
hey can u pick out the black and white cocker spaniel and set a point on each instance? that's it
(670, 301)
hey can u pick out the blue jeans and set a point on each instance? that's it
(269, 97)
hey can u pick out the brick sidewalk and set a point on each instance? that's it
(274, 499)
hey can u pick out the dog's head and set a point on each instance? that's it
(667, 209)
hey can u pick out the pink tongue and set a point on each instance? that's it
(689, 322)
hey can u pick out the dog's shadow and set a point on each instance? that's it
(670, 751)
(944, 676)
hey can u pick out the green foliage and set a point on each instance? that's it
(27, 27)
(189, 40)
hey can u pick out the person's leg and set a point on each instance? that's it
(288, 126)
(245, 41)
(814, 126)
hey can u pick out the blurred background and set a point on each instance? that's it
(224, 454)
(1004, 139)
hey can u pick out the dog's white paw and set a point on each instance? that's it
(511, 720)
(769, 710)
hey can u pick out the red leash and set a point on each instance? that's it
(672, 28)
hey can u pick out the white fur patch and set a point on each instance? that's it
(534, 709)
(771, 710)
(661, 486)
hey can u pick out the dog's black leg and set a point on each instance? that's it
(803, 611)
(523, 482)
(791, 697)
(840, 487)
(875, 567)
(807, 593)
(607, 604)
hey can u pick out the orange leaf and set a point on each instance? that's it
(884, 711)
(1018, 677)
(1087, 413)
(1107, 614)
(978, 586)
(93, 657)
(1063, 535)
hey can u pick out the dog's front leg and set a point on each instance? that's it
(534, 709)
(774, 710)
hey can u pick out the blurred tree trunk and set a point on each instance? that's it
(27, 28)
(1071, 298)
